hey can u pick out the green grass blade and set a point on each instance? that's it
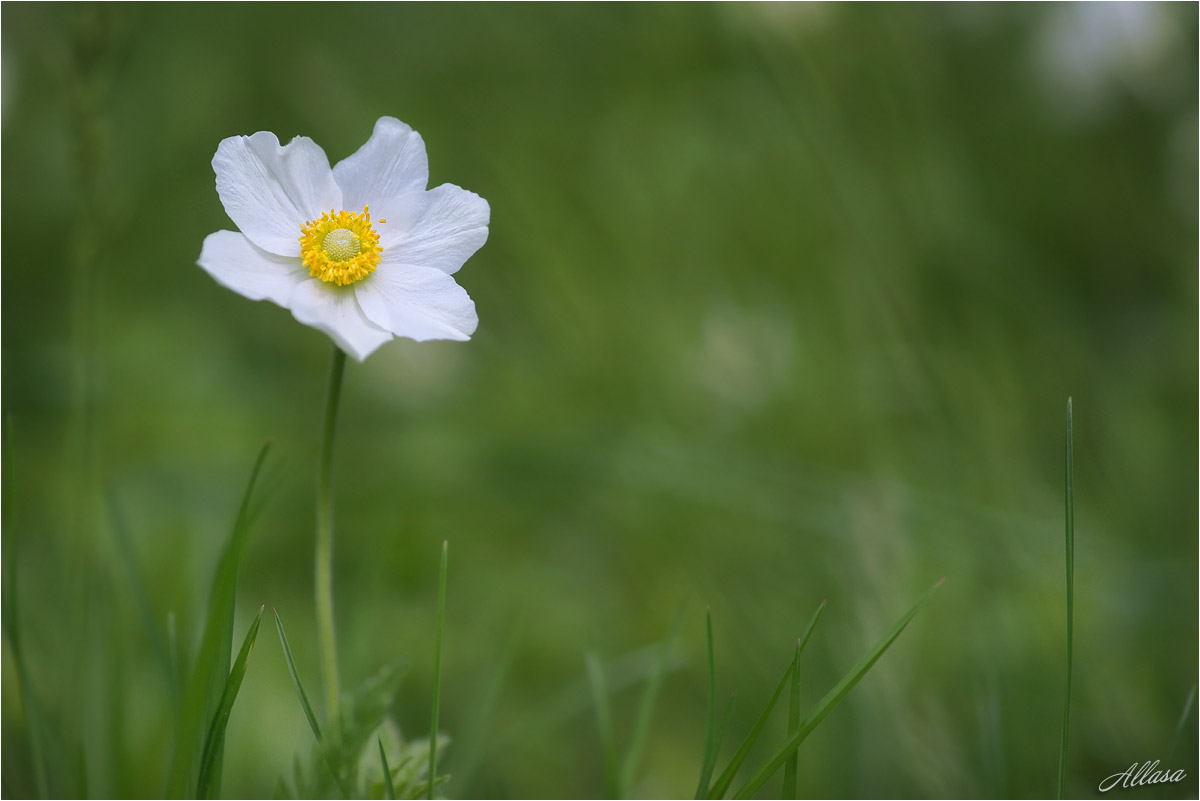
(726, 778)
(35, 721)
(36, 727)
(710, 753)
(437, 668)
(1066, 724)
(720, 787)
(608, 740)
(141, 597)
(832, 699)
(206, 684)
(10, 620)
(307, 707)
(173, 654)
(210, 763)
(721, 733)
(482, 735)
(645, 713)
(389, 788)
(291, 666)
(792, 767)
(420, 790)
(1183, 718)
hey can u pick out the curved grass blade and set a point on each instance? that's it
(10, 621)
(437, 668)
(387, 772)
(726, 778)
(35, 724)
(308, 710)
(480, 738)
(204, 688)
(214, 746)
(608, 740)
(417, 790)
(1183, 718)
(291, 666)
(1066, 724)
(832, 699)
(792, 767)
(174, 658)
(710, 751)
(645, 713)
(141, 597)
(721, 729)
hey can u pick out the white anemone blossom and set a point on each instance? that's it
(362, 251)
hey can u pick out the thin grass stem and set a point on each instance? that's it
(437, 668)
(726, 778)
(710, 755)
(604, 724)
(388, 786)
(832, 699)
(206, 683)
(1183, 718)
(11, 619)
(641, 726)
(209, 782)
(291, 666)
(1066, 725)
(792, 768)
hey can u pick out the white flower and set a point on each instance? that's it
(361, 251)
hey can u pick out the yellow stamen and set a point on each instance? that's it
(341, 247)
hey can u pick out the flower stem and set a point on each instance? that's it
(324, 556)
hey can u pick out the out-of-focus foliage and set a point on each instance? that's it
(781, 303)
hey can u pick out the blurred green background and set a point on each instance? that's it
(780, 303)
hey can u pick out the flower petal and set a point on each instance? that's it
(271, 191)
(420, 303)
(335, 311)
(442, 230)
(391, 163)
(235, 262)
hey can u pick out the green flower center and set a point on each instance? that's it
(342, 244)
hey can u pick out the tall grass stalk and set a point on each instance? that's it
(207, 681)
(326, 753)
(92, 58)
(1183, 718)
(208, 784)
(641, 726)
(388, 786)
(726, 778)
(34, 726)
(437, 669)
(710, 755)
(832, 699)
(1066, 724)
(791, 768)
(721, 785)
(604, 725)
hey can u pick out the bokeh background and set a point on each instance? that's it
(781, 303)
